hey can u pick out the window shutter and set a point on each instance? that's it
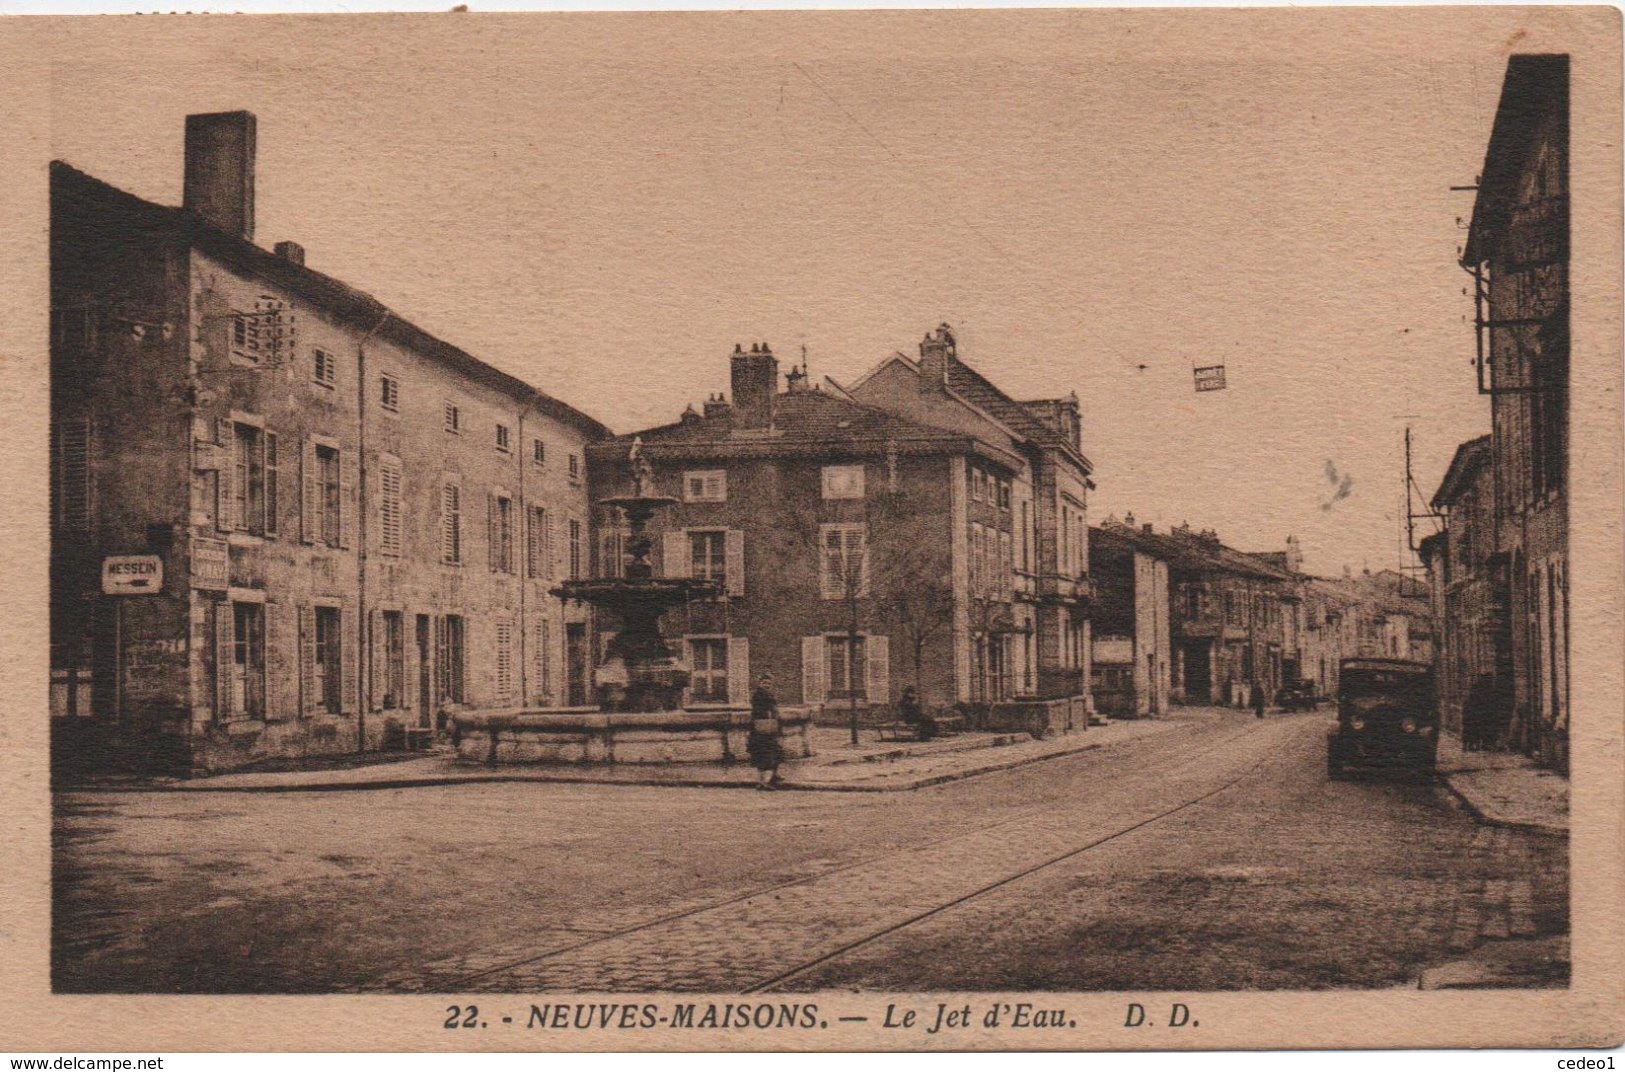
(739, 671)
(409, 667)
(812, 670)
(281, 658)
(225, 635)
(736, 563)
(307, 659)
(492, 547)
(272, 500)
(310, 526)
(877, 660)
(533, 536)
(674, 554)
(688, 661)
(857, 545)
(553, 546)
(225, 506)
(349, 651)
(376, 653)
(448, 523)
(347, 500)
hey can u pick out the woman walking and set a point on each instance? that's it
(762, 745)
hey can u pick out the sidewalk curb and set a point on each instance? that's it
(1478, 813)
(701, 783)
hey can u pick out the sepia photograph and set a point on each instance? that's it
(882, 529)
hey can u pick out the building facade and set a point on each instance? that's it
(1517, 251)
(358, 524)
(1048, 632)
(1132, 664)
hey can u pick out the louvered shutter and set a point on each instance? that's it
(857, 551)
(877, 668)
(812, 670)
(409, 667)
(281, 661)
(553, 546)
(376, 650)
(735, 567)
(349, 660)
(674, 554)
(492, 546)
(739, 671)
(307, 659)
(272, 500)
(829, 563)
(225, 506)
(225, 636)
(533, 538)
(347, 499)
(310, 526)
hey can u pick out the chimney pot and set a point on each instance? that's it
(219, 182)
(291, 251)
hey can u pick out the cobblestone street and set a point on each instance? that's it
(1213, 856)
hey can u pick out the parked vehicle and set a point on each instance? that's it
(1297, 696)
(1387, 718)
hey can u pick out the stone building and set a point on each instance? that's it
(1470, 584)
(1518, 251)
(860, 550)
(357, 523)
(1043, 648)
(1129, 622)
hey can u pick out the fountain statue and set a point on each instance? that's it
(638, 672)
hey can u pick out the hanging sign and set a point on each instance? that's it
(1210, 378)
(132, 575)
(211, 564)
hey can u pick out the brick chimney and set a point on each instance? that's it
(291, 251)
(716, 406)
(220, 170)
(755, 380)
(935, 352)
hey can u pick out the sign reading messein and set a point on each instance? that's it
(132, 575)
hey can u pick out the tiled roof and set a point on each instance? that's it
(982, 393)
(340, 299)
(1469, 457)
(1191, 553)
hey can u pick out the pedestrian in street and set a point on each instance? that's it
(908, 709)
(1258, 698)
(762, 744)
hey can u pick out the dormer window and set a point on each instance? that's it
(705, 485)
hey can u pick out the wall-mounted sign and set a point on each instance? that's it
(132, 575)
(211, 564)
(1210, 378)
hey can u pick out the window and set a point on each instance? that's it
(389, 506)
(243, 690)
(449, 668)
(323, 369)
(504, 658)
(247, 499)
(73, 485)
(538, 451)
(327, 467)
(451, 525)
(538, 545)
(708, 659)
(575, 549)
(705, 485)
(845, 665)
(329, 660)
(575, 467)
(454, 418)
(843, 561)
(394, 669)
(1004, 495)
(504, 443)
(501, 534)
(389, 393)
(245, 337)
(708, 554)
(843, 481)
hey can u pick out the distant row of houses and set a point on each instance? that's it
(286, 521)
(1498, 566)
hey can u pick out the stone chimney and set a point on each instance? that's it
(291, 251)
(1146, 528)
(219, 184)
(935, 352)
(755, 380)
(795, 381)
(717, 406)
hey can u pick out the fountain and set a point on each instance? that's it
(639, 716)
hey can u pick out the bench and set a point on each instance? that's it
(945, 725)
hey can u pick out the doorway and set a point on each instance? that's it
(425, 674)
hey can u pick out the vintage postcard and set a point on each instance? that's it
(902, 530)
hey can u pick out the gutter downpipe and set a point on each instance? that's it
(363, 623)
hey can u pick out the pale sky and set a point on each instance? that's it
(605, 205)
